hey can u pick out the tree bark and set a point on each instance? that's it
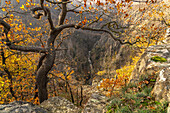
(42, 78)
(47, 64)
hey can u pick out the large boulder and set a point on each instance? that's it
(59, 105)
(21, 107)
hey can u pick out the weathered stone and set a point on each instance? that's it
(96, 104)
(161, 89)
(168, 110)
(59, 105)
(148, 66)
(21, 107)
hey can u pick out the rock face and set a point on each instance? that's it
(21, 107)
(147, 66)
(161, 89)
(96, 104)
(59, 105)
(156, 61)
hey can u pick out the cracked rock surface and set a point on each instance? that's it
(21, 107)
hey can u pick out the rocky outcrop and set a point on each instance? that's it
(108, 54)
(59, 105)
(147, 66)
(21, 107)
(161, 89)
(96, 104)
(103, 51)
(155, 61)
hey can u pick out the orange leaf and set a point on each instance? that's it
(101, 19)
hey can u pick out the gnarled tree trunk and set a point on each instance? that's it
(42, 78)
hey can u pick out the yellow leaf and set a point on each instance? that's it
(3, 9)
(90, 7)
(18, 59)
(72, 72)
(20, 26)
(9, 35)
(17, 1)
(22, 7)
(11, 15)
(101, 19)
(68, 68)
(82, 7)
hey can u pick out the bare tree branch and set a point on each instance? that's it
(61, 27)
(6, 27)
(110, 33)
(95, 29)
(63, 12)
(48, 14)
(165, 22)
(74, 9)
(27, 48)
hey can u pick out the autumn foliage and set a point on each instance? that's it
(18, 69)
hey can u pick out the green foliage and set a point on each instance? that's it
(147, 90)
(152, 80)
(124, 89)
(140, 94)
(134, 100)
(158, 59)
(124, 109)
